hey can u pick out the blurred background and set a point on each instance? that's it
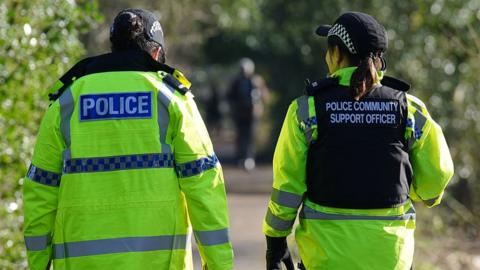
(267, 48)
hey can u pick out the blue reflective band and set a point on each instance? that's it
(115, 106)
(197, 166)
(43, 176)
(128, 162)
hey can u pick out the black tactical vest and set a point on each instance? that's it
(360, 158)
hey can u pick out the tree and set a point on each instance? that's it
(39, 40)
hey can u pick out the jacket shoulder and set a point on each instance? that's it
(76, 71)
(175, 83)
(395, 83)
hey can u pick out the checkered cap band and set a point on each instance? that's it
(116, 163)
(340, 31)
(197, 166)
(43, 177)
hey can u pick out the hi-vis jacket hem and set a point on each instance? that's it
(310, 213)
(119, 245)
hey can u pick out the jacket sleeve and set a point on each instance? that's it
(201, 180)
(41, 189)
(289, 168)
(429, 155)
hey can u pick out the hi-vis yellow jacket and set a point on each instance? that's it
(122, 169)
(334, 238)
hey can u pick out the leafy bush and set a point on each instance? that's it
(39, 40)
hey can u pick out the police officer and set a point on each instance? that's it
(123, 166)
(354, 152)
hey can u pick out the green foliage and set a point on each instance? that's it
(39, 40)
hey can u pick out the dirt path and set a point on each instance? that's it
(248, 195)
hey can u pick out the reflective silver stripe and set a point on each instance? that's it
(209, 238)
(309, 213)
(286, 199)
(44, 177)
(416, 102)
(420, 120)
(119, 245)
(67, 154)
(36, 243)
(197, 166)
(66, 110)
(417, 123)
(116, 163)
(302, 110)
(278, 223)
(303, 117)
(163, 119)
(430, 202)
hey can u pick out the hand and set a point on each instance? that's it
(277, 252)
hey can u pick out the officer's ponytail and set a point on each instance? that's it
(365, 76)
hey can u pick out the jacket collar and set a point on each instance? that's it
(345, 74)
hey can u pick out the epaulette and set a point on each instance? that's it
(395, 83)
(313, 87)
(170, 80)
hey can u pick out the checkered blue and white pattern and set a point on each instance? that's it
(409, 123)
(128, 162)
(43, 176)
(197, 166)
(341, 32)
(418, 133)
(310, 122)
(416, 123)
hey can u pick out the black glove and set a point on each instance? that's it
(277, 252)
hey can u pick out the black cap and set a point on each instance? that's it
(360, 33)
(152, 29)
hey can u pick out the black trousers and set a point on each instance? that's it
(245, 147)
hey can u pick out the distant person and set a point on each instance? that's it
(354, 152)
(213, 115)
(123, 166)
(244, 98)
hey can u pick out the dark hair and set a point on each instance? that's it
(129, 34)
(364, 77)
